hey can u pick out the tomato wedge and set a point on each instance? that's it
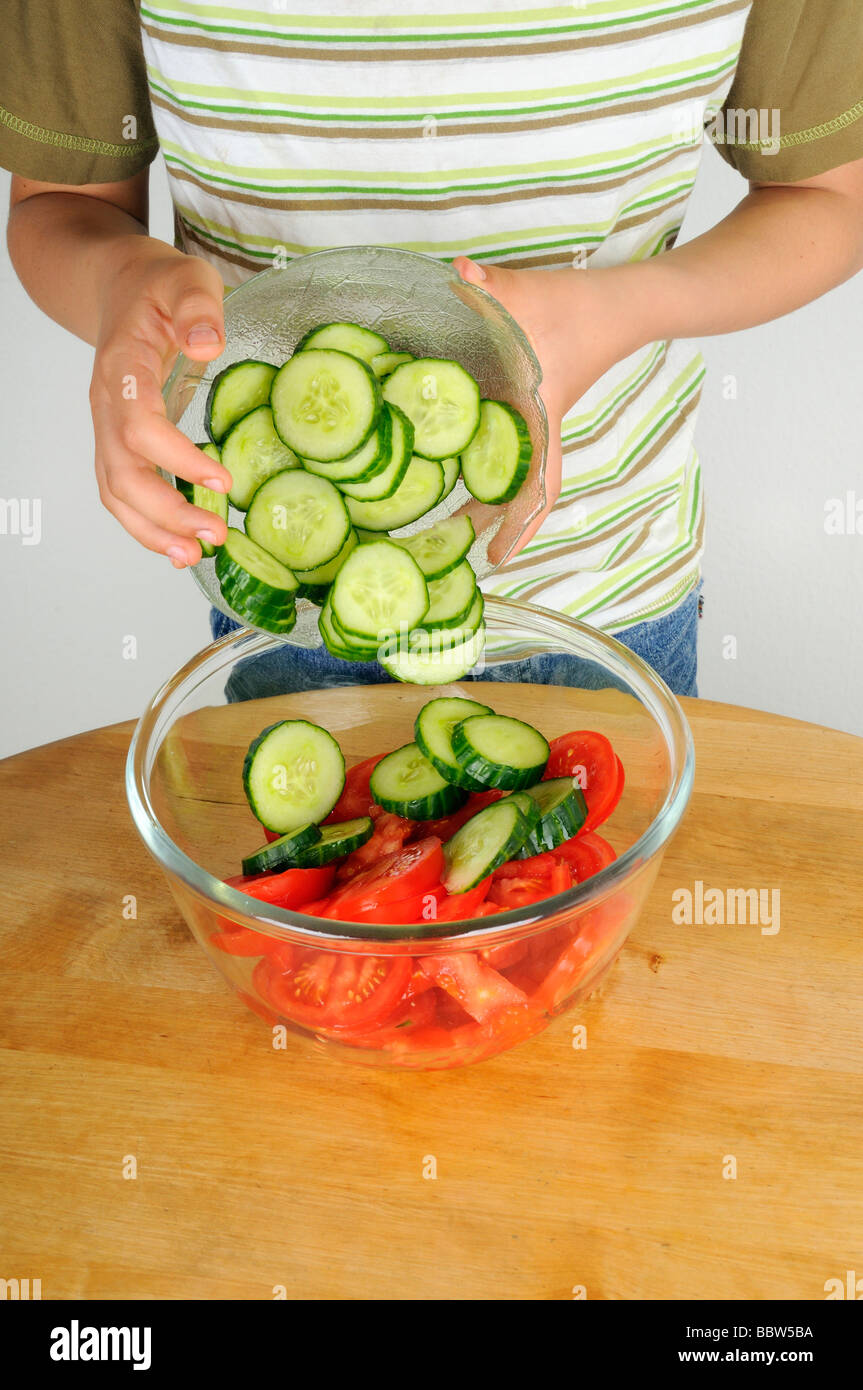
(332, 990)
(389, 835)
(479, 989)
(408, 873)
(597, 930)
(458, 907)
(356, 798)
(590, 759)
(586, 855)
(290, 889)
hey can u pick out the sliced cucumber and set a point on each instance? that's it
(237, 390)
(531, 813)
(498, 751)
(293, 774)
(325, 403)
(432, 658)
(323, 576)
(384, 483)
(205, 497)
(386, 362)
(452, 598)
(416, 494)
(378, 591)
(365, 646)
(440, 548)
(336, 841)
(187, 488)
(299, 518)
(483, 843)
(562, 812)
(373, 458)
(345, 337)
(405, 783)
(365, 537)
(251, 452)
(451, 474)
(433, 733)
(334, 641)
(278, 854)
(315, 593)
(495, 463)
(256, 586)
(441, 399)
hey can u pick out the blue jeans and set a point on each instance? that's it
(668, 644)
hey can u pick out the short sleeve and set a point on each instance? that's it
(795, 108)
(74, 103)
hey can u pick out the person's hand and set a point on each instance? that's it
(157, 302)
(574, 323)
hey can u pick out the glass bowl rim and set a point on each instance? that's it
(288, 926)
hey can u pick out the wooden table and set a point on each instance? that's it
(558, 1169)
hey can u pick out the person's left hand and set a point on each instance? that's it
(573, 321)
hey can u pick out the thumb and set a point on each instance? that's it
(491, 278)
(194, 303)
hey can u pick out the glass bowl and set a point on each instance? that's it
(420, 305)
(186, 795)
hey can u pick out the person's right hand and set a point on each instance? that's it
(157, 303)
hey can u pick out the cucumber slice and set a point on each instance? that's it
(333, 640)
(452, 598)
(432, 658)
(378, 591)
(499, 751)
(495, 463)
(365, 537)
(433, 733)
(336, 841)
(562, 812)
(205, 497)
(251, 452)
(237, 390)
(186, 488)
(442, 547)
(416, 494)
(373, 458)
(384, 483)
(323, 575)
(386, 362)
(256, 586)
(441, 399)
(365, 646)
(280, 853)
(325, 403)
(299, 518)
(531, 813)
(483, 843)
(451, 474)
(405, 783)
(293, 774)
(345, 337)
(314, 593)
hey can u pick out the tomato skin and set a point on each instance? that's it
(240, 941)
(388, 836)
(458, 907)
(507, 954)
(407, 873)
(586, 854)
(479, 989)
(596, 931)
(291, 888)
(589, 757)
(356, 798)
(332, 991)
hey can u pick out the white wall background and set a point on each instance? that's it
(790, 594)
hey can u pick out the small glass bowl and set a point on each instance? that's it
(186, 794)
(420, 305)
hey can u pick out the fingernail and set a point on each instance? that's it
(200, 334)
(216, 484)
(177, 556)
(206, 536)
(480, 273)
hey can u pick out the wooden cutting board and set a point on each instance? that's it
(552, 1172)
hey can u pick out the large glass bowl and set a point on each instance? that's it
(420, 305)
(186, 795)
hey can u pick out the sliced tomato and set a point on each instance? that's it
(407, 873)
(508, 953)
(586, 854)
(408, 1016)
(459, 907)
(356, 798)
(479, 989)
(388, 836)
(526, 889)
(333, 990)
(240, 941)
(596, 933)
(588, 757)
(446, 826)
(416, 909)
(292, 888)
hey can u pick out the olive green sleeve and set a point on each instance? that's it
(74, 104)
(795, 108)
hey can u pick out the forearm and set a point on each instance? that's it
(66, 248)
(779, 249)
